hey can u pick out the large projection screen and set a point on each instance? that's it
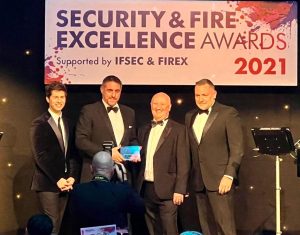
(247, 43)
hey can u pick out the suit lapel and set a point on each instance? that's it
(125, 123)
(193, 116)
(164, 135)
(211, 118)
(67, 132)
(145, 138)
(104, 114)
(162, 138)
(56, 131)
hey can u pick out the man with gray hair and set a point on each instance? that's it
(101, 202)
(106, 120)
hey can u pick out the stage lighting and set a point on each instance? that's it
(28, 52)
(179, 101)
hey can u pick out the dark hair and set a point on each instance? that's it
(39, 224)
(205, 81)
(112, 78)
(58, 86)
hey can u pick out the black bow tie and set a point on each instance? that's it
(200, 111)
(155, 123)
(115, 109)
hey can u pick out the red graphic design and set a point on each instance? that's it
(272, 13)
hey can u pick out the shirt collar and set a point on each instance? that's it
(209, 110)
(164, 122)
(55, 116)
(106, 105)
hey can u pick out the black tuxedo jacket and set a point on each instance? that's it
(50, 160)
(170, 160)
(102, 203)
(220, 150)
(94, 127)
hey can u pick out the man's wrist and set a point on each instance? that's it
(228, 176)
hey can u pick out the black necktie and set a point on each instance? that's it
(155, 123)
(200, 111)
(60, 130)
(115, 109)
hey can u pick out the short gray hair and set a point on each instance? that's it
(205, 81)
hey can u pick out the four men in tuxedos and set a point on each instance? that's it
(213, 134)
(216, 144)
(56, 167)
(164, 168)
(105, 120)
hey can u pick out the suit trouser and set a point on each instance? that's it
(216, 213)
(161, 215)
(53, 204)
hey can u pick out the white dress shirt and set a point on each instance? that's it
(199, 124)
(153, 139)
(116, 122)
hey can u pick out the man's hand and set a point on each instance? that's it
(225, 185)
(62, 184)
(116, 156)
(70, 182)
(178, 198)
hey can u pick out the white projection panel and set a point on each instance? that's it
(245, 43)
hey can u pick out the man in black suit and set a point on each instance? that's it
(216, 143)
(101, 202)
(105, 120)
(56, 167)
(164, 168)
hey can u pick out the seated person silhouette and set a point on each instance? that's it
(39, 224)
(100, 201)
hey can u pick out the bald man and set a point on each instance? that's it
(164, 168)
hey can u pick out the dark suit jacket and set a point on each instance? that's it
(49, 157)
(221, 147)
(94, 127)
(102, 203)
(170, 161)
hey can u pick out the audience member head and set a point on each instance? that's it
(111, 89)
(205, 94)
(39, 224)
(160, 106)
(103, 164)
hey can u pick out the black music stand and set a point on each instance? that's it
(274, 141)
